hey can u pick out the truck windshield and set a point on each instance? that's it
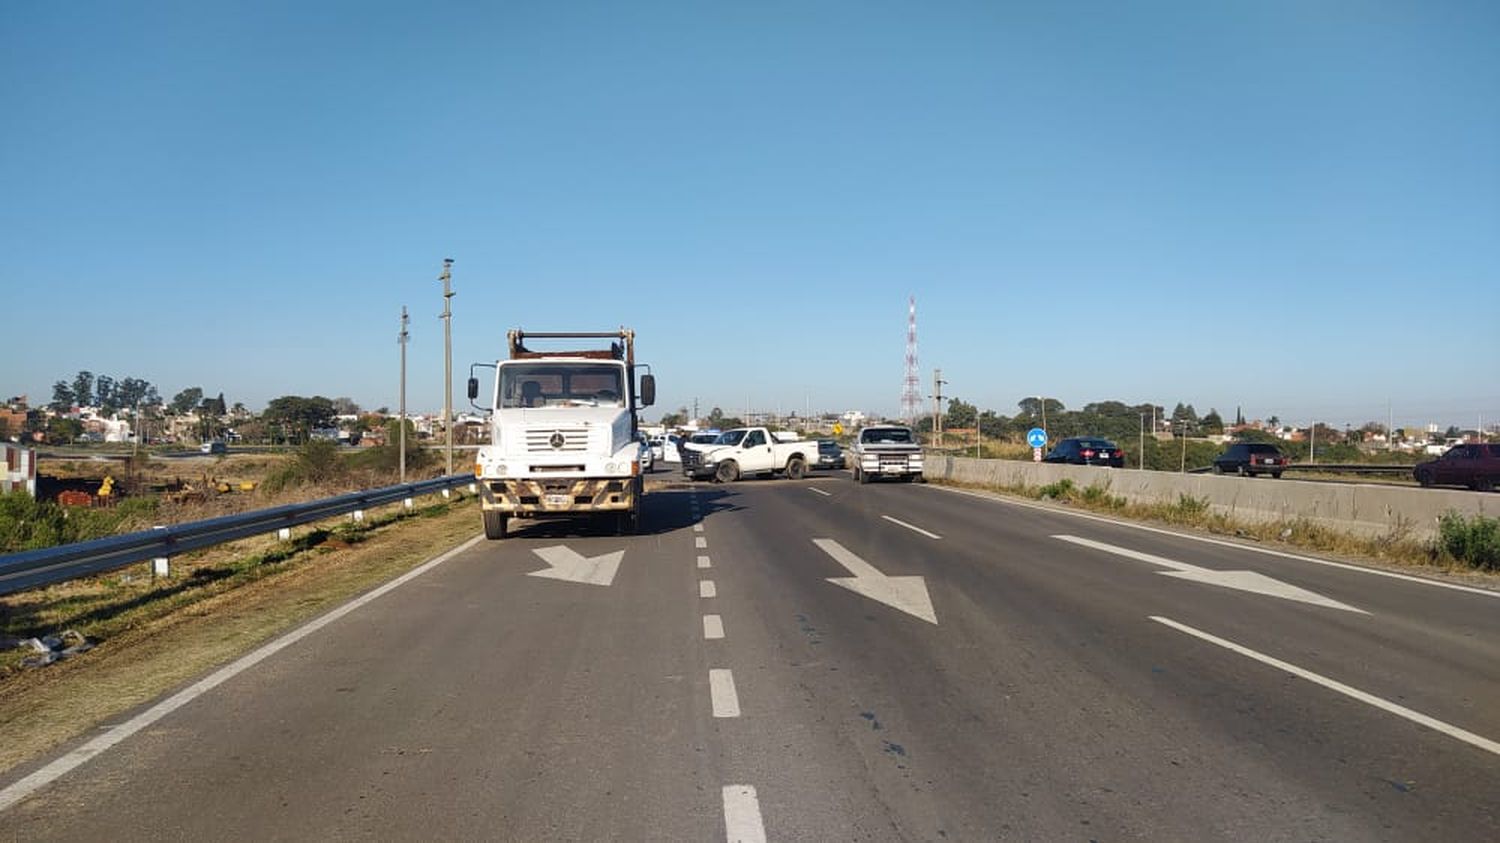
(730, 437)
(560, 385)
(881, 435)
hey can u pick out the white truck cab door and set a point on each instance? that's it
(756, 453)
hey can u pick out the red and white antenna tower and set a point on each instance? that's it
(911, 393)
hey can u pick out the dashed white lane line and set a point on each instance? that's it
(742, 822)
(819, 491)
(1334, 685)
(721, 689)
(706, 589)
(700, 542)
(713, 627)
(914, 528)
(703, 562)
(60, 767)
(697, 528)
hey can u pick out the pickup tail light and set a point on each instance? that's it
(1088, 454)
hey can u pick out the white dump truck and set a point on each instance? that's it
(887, 450)
(564, 432)
(749, 451)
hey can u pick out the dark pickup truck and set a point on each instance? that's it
(1476, 466)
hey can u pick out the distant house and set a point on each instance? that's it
(20, 469)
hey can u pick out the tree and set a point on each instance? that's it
(677, 419)
(295, 413)
(130, 392)
(345, 407)
(105, 394)
(63, 430)
(83, 388)
(960, 414)
(184, 401)
(62, 396)
(1213, 423)
(1032, 406)
(715, 417)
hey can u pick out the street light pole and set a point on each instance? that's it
(1143, 442)
(401, 340)
(447, 317)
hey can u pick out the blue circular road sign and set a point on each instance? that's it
(1036, 437)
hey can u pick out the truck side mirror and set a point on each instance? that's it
(473, 388)
(648, 390)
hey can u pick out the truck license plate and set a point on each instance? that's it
(557, 500)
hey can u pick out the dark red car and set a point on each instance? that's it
(1475, 466)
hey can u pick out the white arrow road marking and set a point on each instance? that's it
(1334, 685)
(909, 594)
(1250, 581)
(568, 564)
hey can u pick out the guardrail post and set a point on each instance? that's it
(358, 515)
(160, 565)
(406, 502)
(473, 488)
(447, 493)
(284, 534)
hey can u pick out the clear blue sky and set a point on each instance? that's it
(1292, 207)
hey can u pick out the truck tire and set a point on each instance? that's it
(795, 468)
(727, 472)
(860, 476)
(1218, 469)
(627, 523)
(494, 524)
(1484, 484)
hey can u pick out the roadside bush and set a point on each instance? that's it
(29, 524)
(317, 461)
(1474, 541)
(1061, 490)
(1100, 496)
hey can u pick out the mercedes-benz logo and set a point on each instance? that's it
(556, 441)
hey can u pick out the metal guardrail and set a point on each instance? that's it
(35, 568)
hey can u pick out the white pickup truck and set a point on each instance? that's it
(887, 451)
(752, 451)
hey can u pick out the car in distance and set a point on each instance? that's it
(830, 455)
(648, 457)
(1474, 465)
(1250, 459)
(1086, 450)
(216, 446)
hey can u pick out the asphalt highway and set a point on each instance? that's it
(823, 660)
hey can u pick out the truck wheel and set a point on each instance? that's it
(1218, 469)
(1275, 475)
(860, 476)
(727, 472)
(626, 523)
(1425, 480)
(1484, 484)
(795, 468)
(919, 478)
(494, 524)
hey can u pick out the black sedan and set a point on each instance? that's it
(1085, 450)
(830, 455)
(1250, 459)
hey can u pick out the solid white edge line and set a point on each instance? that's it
(1223, 543)
(706, 589)
(704, 563)
(77, 757)
(721, 689)
(742, 821)
(713, 627)
(1334, 685)
(819, 491)
(914, 528)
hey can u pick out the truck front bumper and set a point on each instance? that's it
(543, 497)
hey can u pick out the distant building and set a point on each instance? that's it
(20, 469)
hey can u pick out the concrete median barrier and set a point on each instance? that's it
(1361, 509)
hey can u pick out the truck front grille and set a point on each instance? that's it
(551, 440)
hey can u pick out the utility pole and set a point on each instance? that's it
(1043, 401)
(1143, 441)
(937, 407)
(1182, 467)
(401, 341)
(447, 317)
